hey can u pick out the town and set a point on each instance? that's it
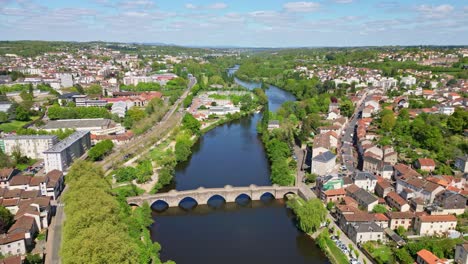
(381, 145)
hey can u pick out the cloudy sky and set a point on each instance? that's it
(253, 23)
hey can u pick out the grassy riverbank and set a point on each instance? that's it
(334, 254)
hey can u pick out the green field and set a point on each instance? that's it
(380, 253)
(14, 125)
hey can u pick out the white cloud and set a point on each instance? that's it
(218, 5)
(301, 6)
(430, 11)
(343, 1)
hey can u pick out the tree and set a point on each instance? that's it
(6, 219)
(379, 209)
(191, 123)
(100, 150)
(94, 89)
(246, 102)
(403, 256)
(22, 114)
(401, 231)
(3, 117)
(330, 205)
(347, 108)
(33, 259)
(310, 214)
(388, 121)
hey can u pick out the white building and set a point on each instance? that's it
(66, 79)
(365, 180)
(408, 81)
(12, 244)
(119, 108)
(446, 110)
(363, 232)
(61, 155)
(31, 146)
(428, 225)
(5, 106)
(323, 163)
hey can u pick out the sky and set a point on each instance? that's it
(239, 23)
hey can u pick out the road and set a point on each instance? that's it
(150, 137)
(54, 236)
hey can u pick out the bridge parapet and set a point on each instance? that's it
(202, 195)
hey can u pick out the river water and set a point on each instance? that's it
(244, 232)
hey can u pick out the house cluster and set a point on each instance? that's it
(427, 206)
(216, 103)
(28, 198)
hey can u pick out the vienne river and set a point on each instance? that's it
(249, 232)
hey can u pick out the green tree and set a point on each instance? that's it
(6, 219)
(403, 256)
(388, 121)
(33, 259)
(3, 117)
(347, 108)
(191, 123)
(22, 114)
(100, 150)
(310, 214)
(379, 209)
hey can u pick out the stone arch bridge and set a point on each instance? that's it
(202, 195)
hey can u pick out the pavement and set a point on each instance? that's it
(54, 236)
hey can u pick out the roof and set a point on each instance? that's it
(428, 257)
(438, 218)
(20, 180)
(363, 175)
(64, 144)
(12, 193)
(426, 162)
(23, 224)
(22, 137)
(397, 198)
(350, 201)
(384, 184)
(400, 215)
(9, 238)
(405, 170)
(54, 175)
(365, 197)
(367, 227)
(380, 217)
(340, 191)
(5, 173)
(358, 217)
(77, 123)
(12, 260)
(324, 157)
(352, 188)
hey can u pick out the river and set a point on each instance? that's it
(244, 232)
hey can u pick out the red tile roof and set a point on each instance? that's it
(426, 162)
(428, 257)
(397, 198)
(437, 218)
(340, 191)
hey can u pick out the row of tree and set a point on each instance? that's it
(98, 151)
(101, 228)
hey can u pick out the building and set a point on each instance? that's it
(414, 187)
(450, 202)
(424, 256)
(363, 232)
(383, 187)
(333, 195)
(5, 106)
(396, 201)
(365, 180)
(119, 108)
(323, 163)
(461, 254)
(366, 200)
(428, 225)
(462, 163)
(97, 126)
(404, 219)
(61, 155)
(425, 164)
(273, 124)
(12, 244)
(329, 182)
(31, 146)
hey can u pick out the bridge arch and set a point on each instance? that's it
(216, 200)
(160, 205)
(188, 203)
(267, 196)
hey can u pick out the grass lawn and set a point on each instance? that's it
(15, 125)
(23, 166)
(336, 253)
(381, 253)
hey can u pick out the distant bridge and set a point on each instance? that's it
(202, 195)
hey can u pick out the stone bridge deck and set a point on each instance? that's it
(202, 195)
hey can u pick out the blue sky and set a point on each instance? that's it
(253, 23)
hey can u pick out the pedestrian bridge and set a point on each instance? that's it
(202, 195)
